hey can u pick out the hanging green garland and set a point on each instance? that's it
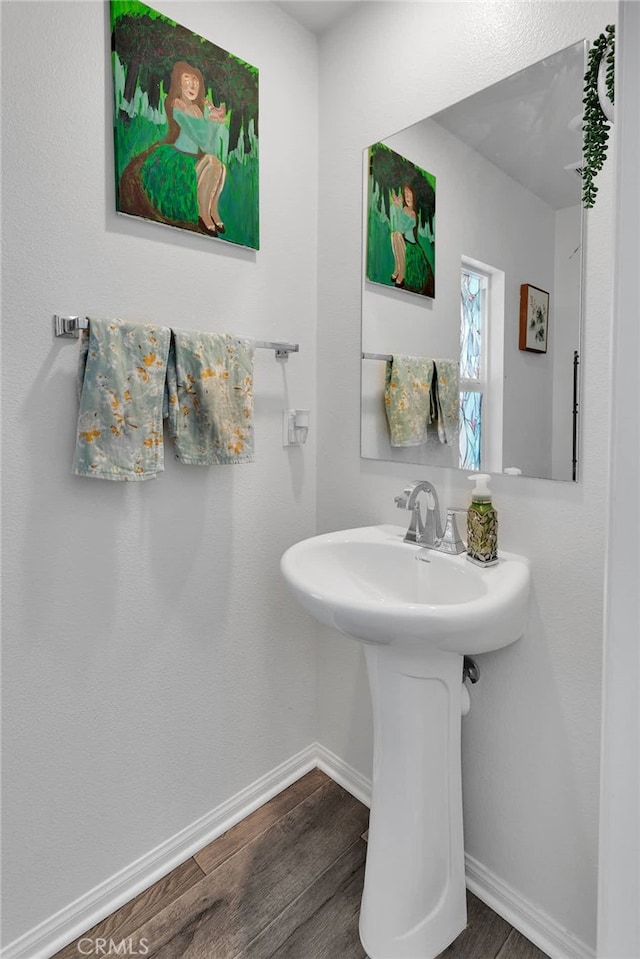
(595, 124)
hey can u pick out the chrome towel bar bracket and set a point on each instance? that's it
(69, 326)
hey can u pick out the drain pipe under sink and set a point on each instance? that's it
(470, 672)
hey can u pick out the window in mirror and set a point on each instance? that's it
(470, 430)
(473, 288)
(481, 366)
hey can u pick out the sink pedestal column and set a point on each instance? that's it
(414, 900)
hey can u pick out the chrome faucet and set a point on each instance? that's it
(429, 532)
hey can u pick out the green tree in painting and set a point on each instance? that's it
(180, 158)
(401, 223)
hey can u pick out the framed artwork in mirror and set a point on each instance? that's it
(401, 223)
(534, 319)
(185, 128)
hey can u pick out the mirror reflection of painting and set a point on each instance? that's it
(400, 223)
(534, 319)
(185, 128)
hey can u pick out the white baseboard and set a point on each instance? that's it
(63, 927)
(532, 922)
(345, 775)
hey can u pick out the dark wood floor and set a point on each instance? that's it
(285, 883)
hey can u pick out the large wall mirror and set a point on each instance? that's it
(487, 305)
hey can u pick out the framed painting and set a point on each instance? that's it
(185, 128)
(401, 223)
(534, 319)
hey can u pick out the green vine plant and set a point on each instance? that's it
(595, 124)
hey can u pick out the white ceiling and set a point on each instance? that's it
(317, 15)
(529, 125)
(523, 125)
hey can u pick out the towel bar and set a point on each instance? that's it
(377, 356)
(70, 327)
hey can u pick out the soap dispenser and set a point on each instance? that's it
(482, 524)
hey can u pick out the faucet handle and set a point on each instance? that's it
(451, 541)
(416, 525)
(402, 501)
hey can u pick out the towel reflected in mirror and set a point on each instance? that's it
(421, 391)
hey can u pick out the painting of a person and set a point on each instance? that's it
(185, 128)
(410, 266)
(401, 223)
(182, 176)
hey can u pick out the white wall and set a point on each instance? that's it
(564, 336)
(531, 741)
(153, 666)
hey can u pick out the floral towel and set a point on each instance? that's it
(210, 386)
(407, 399)
(446, 400)
(121, 374)
(418, 391)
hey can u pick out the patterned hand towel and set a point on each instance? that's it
(446, 400)
(121, 373)
(210, 385)
(407, 398)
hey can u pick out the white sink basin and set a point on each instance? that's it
(371, 585)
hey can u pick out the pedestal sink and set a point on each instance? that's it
(418, 612)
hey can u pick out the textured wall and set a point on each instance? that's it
(152, 665)
(567, 305)
(531, 741)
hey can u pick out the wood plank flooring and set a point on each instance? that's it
(285, 883)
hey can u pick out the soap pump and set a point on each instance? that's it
(482, 524)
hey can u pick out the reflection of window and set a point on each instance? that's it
(482, 297)
(473, 373)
